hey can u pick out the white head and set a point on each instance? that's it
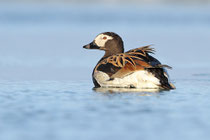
(101, 39)
(110, 42)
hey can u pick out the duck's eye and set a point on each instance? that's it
(104, 38)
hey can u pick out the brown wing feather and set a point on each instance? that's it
(142, 50)
(123, 64)
(130, 68)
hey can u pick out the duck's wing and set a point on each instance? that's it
(156, 68)
(143, 53)
(120, 65)
(123, 64)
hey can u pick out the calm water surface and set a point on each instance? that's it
(72, 110)
(46, 88)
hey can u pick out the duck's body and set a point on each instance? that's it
(132, 69)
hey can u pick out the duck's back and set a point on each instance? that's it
(135, 68)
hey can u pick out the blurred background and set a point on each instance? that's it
(43, 39)
(45, 74)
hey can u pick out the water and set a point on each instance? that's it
(46, 89)
(72, 110)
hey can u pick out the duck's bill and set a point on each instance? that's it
(92, 45)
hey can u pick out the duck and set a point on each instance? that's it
(136, 68)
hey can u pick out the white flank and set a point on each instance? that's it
(100, 41)
(139, 79)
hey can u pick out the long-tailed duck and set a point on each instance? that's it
(135, 68)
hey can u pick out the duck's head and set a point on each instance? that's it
(110, 42)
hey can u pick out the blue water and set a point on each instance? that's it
(72, 110)
(45, 75)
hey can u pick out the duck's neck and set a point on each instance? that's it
(110, 53)
(107, 54)
(113, 51)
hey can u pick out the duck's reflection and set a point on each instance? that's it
(126, 90)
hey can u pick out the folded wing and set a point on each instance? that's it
(120, 65)
(124, 64)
